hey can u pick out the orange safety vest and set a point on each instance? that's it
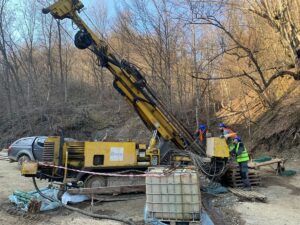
(201, 135)
(231, 133)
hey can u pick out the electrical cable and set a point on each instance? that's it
(52, 177)
(65, 30)
(99, 216)
(113, 50)
(96, 28)
(41, 194)
(202, 166)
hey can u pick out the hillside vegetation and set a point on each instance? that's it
(233, 61)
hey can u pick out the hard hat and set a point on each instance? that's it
(237, 138)
(222, 125)
(202, 126)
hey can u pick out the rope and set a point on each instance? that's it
(60, 25)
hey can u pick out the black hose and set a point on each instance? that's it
(41, 194)
(52, 177)
(99, 216)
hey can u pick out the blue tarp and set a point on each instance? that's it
(45, 203)
(73, 198)
(214, 188)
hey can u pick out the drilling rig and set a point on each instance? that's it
(124, 157)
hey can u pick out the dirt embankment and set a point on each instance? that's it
(82, 122)
(273, 131)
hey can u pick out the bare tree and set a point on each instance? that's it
(238, 33)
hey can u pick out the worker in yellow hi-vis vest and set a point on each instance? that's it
(242, 158)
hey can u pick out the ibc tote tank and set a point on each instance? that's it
(175, 196)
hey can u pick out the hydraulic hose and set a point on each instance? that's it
(99, 216)
(41, 194)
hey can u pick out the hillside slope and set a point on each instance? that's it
(110, 121)
(275, 130)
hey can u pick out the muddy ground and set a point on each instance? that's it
(282, 207)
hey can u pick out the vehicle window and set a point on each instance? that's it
(24, 141)
(40, 142)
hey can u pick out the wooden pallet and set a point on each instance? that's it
(233, 178)
(249, 195)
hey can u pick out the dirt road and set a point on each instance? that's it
(283, 195)
(282, 207)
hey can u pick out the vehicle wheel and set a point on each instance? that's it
(95, 181)
(21, 159)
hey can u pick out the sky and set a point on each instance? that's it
(90, 6)
(110, 5)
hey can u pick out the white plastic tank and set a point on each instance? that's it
(173, 195)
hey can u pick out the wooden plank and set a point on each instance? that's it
(244, 193)
(115, 198)
(273, 161)
(109, 190)
(251, 195)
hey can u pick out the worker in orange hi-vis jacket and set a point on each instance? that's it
(200, 134)
(228, 134)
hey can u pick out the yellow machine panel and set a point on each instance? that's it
(217, 147)
(29, 169)
(51, 148)
(110, 154)
(75, 153)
